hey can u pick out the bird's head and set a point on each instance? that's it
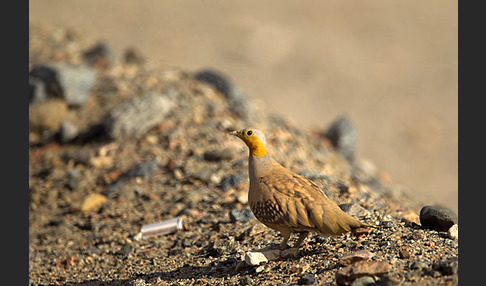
(254, 139)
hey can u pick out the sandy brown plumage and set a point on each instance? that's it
(286, 201)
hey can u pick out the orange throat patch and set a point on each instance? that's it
(256, 146)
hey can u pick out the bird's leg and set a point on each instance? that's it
(302, 236)
(286, 236)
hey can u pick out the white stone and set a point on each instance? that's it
(453, 232)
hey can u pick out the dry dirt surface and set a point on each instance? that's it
(391, 66)
(150, 144)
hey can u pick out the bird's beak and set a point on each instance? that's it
(235, 133)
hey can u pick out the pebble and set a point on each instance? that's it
(144, 169)
(437, 218)
(347, 274)
(255, 258)
(37, 91)
(47, 115)
(137, 115)
(241, 215)
(68, 131)
(453, 232)
(92, 201)
(97, 55)
(218, 155)
(246, 280)
(125, 251)
(73, 179)
(363, 281)
(51, 86)
(231, 181)
(76, 82)
(448, 266)
(359, 255)
(237, 102)
(307, 279)
(354, 210)
(343, 137)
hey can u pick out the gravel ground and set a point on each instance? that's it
(102, 168)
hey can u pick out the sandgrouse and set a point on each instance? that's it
(286, 201)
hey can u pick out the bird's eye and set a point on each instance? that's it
(249, 132)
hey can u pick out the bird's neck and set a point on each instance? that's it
(258, 165)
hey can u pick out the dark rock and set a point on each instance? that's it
(137, 115)
(143, 169)
(125, 251)
(246, 280)
(97, 55)
(306, 279)
(437, 218)
(48, 76)
(241, 215)
(112, 190)
(133, 56)
(447, 266)
(343, 137)
(237, 101)
(417, 264)
(73, 179)
(218, 155)
(231, 181)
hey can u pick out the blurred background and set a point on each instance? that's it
(390, 66)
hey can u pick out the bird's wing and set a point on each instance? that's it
(301, 204)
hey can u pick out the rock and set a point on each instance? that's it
(237, 102)
(73, 179)
(47, 115)
(125, 251)
(453, 232)
(132, 55)
(76, 82)
(68, 131)
(218, 155)
(307, 279)
(348, 274)
(343, 137)
(92, 201)
(71, 82)
(143, 169)
(437, 218)
(50, 83)
(255, 258)
(404, 252)
(418, 265)
(37, 90)
(354, 210)
(359, 255)
(98, 55)
(364, 281)
(246, 280)
(231, 181)
(137, 115)
(241, 215)
(289, 253)
(448, 266)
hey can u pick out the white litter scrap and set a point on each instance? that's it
(162, 227)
